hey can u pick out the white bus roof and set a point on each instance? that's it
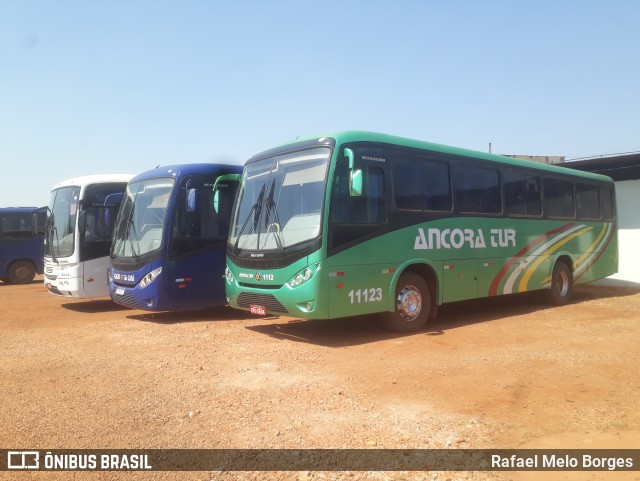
(93, 179)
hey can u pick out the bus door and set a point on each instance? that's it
(199, 231)
(358, 216)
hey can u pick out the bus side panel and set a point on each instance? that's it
(356, 289)
(196, 280)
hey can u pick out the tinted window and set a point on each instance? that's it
(16, 225)
(369, 208)
(606, 198)
(196, 224)
(558, 198)
(420, 184)
(587, 201)
(477, 190)
(522, 194)
(408, 183)
(438, 185)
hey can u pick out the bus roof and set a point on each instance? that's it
(186, 169)
(364, 136)
(19, 210)
(93, 179)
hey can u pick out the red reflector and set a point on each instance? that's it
(339, 286)
(182, 286)
(340, 273)
(90, 279)
(188, 279)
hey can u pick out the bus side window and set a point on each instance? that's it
(477, 189)
(606, 200)
(522, 194)
(558, 198)
(587, 201)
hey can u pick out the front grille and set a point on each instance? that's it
(247, 299)
(51, 277)
(259, 286)
(126, 300)
(48, 269)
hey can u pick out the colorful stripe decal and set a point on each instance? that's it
(597, 255)
(558, 242)
(493, 289)
(536, 252)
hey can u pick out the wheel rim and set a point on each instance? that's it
(22, 272)
(562, 284)
(409, 303)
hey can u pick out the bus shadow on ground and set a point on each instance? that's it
(223, 313)
(352, 331)
(94, 306)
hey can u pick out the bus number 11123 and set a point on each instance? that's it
(373, 294)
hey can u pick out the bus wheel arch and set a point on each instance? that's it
(414, 299)
(561, 288)
(21, 272)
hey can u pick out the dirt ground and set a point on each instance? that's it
(494, 373)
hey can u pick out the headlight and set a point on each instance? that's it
(228, 275)
(149, 278)
(304, 275)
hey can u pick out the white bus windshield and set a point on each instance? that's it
(60, 232)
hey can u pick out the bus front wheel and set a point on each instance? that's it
(561, 285)
(413, 303)
(21, 272)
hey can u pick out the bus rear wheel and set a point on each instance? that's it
(413, 303)
(561, 285)
(21, 272)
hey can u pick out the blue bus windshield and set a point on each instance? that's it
(142, 219)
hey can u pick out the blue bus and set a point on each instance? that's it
(170, 237)
(21, 237)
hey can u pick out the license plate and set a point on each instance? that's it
(258, 310)
(120, 291)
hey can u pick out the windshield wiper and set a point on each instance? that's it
(270, 206)
(124, 232)
(256, 209)
(131, 227)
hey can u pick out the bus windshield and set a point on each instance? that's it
(280, 201)
(60, 232)
(141, 219)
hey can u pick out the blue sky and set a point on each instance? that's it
(91, 87)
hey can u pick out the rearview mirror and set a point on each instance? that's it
(192, 200)
(355, 183)
(355, 175)
(223, 181)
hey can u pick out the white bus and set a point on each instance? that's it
(81, 215)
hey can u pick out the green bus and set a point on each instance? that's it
(357, 223)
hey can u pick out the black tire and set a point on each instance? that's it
(21, 272)
(561, 285)
(413, 304)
